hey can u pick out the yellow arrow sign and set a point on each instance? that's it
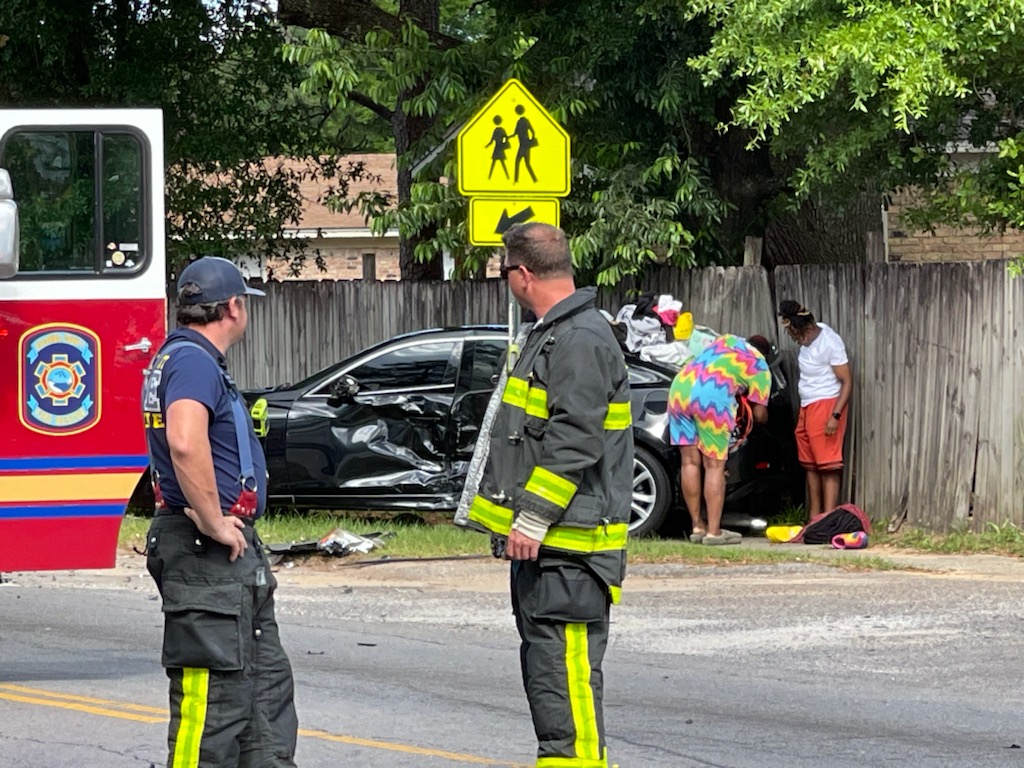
(489, 217)
(513, 147)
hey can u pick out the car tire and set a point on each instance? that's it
(652, 494)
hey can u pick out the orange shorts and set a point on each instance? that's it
(815, 450)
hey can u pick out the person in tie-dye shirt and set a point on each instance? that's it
(702, 414)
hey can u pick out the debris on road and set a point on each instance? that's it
(337, 543)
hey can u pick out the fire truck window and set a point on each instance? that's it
(122, 201)
(58, 179)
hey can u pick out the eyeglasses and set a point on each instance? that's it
(504, 269)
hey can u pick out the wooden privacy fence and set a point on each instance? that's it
(303, 327)
(937, 419)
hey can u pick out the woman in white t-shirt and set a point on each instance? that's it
(826, 384)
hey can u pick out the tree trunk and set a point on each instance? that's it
(408, 131)
(351, 20)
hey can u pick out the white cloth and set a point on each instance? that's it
(817, 379)
(640, 331)
(672, 353)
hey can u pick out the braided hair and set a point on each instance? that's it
(796, 317)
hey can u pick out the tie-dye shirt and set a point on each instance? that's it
(726, 367)
(702, 398)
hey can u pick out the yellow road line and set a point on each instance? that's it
(408, 749)
(73, 703)
(116, 709)
(81, 699)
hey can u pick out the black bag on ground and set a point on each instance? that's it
(846, 518)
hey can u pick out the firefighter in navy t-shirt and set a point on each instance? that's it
(231, 688)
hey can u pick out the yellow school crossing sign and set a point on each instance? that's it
(489, 217)
(513, 146)
(513, 160)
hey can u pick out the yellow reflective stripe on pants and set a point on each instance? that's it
(581, 695)
(604, 538)
(619, 417)
(615, 593)
(195, 686)
(551, 487)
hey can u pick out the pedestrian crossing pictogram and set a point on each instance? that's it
(513, 147)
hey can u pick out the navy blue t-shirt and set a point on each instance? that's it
(190, 374)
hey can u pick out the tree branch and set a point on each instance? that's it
(370, 104)
(349, 19)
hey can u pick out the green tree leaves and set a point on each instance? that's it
(891, 90)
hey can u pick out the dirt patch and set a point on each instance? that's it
(487, 575)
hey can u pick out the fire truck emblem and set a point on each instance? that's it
(60, 379)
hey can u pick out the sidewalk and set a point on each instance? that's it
(489, 575)
(1001, 566)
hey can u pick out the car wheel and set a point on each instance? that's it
(652, 494)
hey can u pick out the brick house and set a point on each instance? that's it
(903, 243)
(348, 247)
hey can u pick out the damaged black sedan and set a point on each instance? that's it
(394, 427)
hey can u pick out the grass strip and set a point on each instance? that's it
(434, 536)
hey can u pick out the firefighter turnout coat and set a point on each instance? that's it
(562, 444)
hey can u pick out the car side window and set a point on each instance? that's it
(413, 367)
(481, 363)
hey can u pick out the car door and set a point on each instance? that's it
(481, 365)
(391, 438)
(78, 322)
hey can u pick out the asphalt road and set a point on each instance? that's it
(416, 666)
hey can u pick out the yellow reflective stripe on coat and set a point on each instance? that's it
(537, 403)
(515, 392)
(619, 417)
(551, 487)
(604, 538)
(520, 394)
(195, 689)
(587, 745)
(534, 401)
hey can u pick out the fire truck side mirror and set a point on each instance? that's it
(8, 227)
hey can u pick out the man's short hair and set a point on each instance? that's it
(541, 248)
(201, 314)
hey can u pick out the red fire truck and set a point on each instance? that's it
(82, 310)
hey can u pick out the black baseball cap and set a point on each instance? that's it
(211, 280)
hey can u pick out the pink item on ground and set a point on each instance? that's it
(855, 540)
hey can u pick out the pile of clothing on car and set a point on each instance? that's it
(656, 329)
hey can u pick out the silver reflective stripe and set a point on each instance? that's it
(483, 443)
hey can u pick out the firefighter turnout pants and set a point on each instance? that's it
(562, 615)
(231, 687)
